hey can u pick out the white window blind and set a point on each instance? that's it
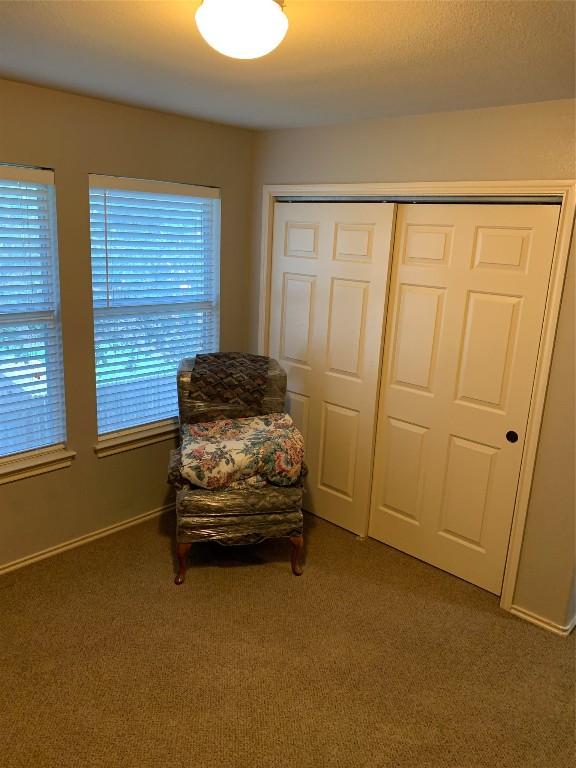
(31, 373)
(155, 283)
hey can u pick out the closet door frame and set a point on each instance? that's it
(562, 192)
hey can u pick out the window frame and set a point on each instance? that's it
(110, 443)
(35, 461)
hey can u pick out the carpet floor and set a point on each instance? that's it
(371, 659)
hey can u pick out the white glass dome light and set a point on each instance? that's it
(242, 29)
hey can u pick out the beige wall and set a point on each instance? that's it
(529, 141)
(76, 136)
(550, 537)
(526, 141)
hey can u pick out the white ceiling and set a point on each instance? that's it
(341, 61)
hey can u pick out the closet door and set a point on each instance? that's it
(329, 285)
(467, 297)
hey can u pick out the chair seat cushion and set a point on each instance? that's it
(239, 516)
(265, 449)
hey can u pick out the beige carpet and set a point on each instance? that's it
(369, 659)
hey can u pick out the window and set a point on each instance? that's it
(31, 372)
(155, 283)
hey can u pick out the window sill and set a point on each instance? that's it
(136, 437)
(35, 463)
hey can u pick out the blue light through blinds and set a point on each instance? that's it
(31, 372)
(155, 294)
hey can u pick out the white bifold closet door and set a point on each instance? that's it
(328, 293)
(467, 296)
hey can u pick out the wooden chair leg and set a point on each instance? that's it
(181, 553)
(297, 545)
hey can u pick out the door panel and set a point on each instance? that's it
(402, 486)
(465, 495)
(297, 318)
(329, 283)
(299, 408)
(467, 297)
(339, 446)
(346, 326)
(489, 340)
(417, 333)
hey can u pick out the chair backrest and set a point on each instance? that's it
(229, 385)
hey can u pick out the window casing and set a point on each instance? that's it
(155, 285)
(32, 408)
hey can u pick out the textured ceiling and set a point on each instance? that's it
(341, 60)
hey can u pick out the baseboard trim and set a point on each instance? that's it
(86, 539)
(540, 621)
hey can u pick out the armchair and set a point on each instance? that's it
(215, 387)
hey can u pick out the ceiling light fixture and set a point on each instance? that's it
(242, 29)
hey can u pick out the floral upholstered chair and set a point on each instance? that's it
(239, 469)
